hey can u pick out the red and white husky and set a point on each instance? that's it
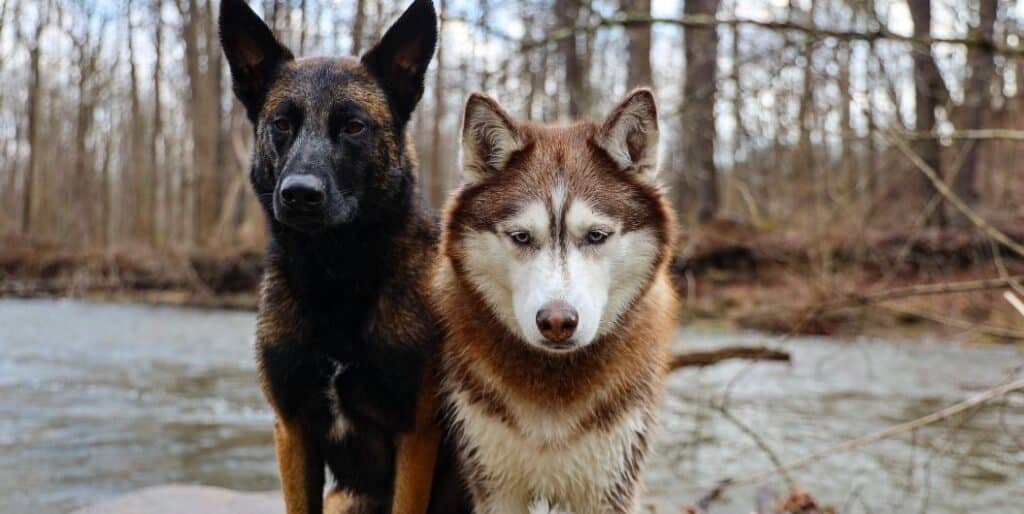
(553, 286)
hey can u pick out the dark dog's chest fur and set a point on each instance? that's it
(343, 334)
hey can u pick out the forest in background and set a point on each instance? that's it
(838, 143)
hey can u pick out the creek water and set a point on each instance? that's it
(98, 399)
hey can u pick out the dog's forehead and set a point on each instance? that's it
(560, 167)
(318, 83)
(565, 167)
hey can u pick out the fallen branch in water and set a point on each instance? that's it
(935, 417)
(709, 357)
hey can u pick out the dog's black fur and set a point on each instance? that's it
(343, 328)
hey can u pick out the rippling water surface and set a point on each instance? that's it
(98, 399)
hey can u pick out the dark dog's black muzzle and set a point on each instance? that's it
(303, 194)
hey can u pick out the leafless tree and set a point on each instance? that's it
(699, 94)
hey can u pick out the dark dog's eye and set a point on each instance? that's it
(596, 237)
(520, 237)
(282, 125)
(354, 127)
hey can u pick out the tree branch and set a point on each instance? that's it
(852, 444)
(922, 290)
(947, 193)
(703, 20)
(708, 357)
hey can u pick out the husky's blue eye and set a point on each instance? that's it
(520, 237)
(596, 237)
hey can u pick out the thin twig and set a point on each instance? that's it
(762, 445)
(966, 326)
(935, 417)
(870, 299)
(944, 190)
(1014, 301)
(967, 286)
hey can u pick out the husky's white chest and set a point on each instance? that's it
(544, 458)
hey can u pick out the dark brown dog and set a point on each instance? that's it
(343, 332)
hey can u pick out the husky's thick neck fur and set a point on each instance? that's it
(553, 287)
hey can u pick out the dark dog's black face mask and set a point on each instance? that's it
(325, 143)
(330, 146)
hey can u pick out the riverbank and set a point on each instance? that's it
(727, 274)
(204, 279)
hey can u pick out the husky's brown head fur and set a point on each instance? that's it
(558, 229)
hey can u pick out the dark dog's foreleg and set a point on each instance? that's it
(301, 466)
(416, 457)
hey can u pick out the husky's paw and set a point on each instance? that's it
(544, 507)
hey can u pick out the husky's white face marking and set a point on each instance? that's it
(574, 254)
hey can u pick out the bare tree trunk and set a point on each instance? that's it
(204, 115)
(3, 17)
(11, 164)
(529, 70)
(977, 104)
(871, 180)
(845, 127)
(107, 196)
(302, 28)
(926, 85)
(566, 12)
(137, 179)
(805, 153)
(699, 91)
(438, 182)
(639, 44)
(161, 184)
(188, 11)
(485, 69)
(29, 205)
(548, 110)
(275, 15)
(219, 173)
(82, 162)
(742, 134)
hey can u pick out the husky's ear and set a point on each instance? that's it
(630, 134)
(489, 138)
(400, 58)
(254, 54)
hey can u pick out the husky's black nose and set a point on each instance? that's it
(557, 321)
(303, 193)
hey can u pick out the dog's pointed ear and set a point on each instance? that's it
(629, 134)
(489, 138)
(400, 59)
(254, 55)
